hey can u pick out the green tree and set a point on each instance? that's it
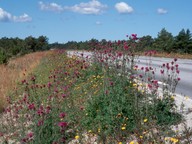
(30, 43)
(183, 42)
(42, 43)
(164, 41)
(145, 43)
(3, 56)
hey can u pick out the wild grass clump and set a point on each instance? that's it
(106, 98)
(14, 71)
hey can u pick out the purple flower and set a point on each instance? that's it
(62, 115)
(30, 135)
(31, 106)
(1, 134)
(40, 122)
(40, 111)
(62, 124)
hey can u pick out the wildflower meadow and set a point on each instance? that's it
(105, 98)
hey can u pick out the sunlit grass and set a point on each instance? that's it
(15, 70)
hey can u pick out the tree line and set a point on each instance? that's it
(11, 47)
(165, 42)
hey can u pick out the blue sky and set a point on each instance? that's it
(80, 20)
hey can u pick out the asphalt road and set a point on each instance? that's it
(184, 86)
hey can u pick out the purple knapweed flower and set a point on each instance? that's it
(62, 124)
(62, 115)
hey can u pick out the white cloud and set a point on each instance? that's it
(123, 7)
(7, 17)
(98, 23)
(161, 11)
(23, 18)
(91, 7)
(50, 7)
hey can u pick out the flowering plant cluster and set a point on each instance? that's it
(106, 98)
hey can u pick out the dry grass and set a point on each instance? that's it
(174, 55)
(15, 71)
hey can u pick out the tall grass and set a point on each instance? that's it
(15, 70)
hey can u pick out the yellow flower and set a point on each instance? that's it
(133, 142)
(186, 97)
(173, 97)
(134, 85)
(123, 128)
(142, 91)
(124, 125)
(174, 140)
(145, 120)
(141, 137)
(99, 130)
(90, 131)
(120, 143)
(166, 138)
(76, 137)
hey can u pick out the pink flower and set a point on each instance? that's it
(33, 78)
(1, 134)
(48, 109)
(149, 86)
(62, 115)
(49, 85)
(40, 122)
(119, 42)
(31, 106)
(119, 54)
(111, 83)
(126, 47)
(30, 135)
(162, 71)
(24, 140)
(62, 124)
(134, 36)
(40, 111)
(106, 92)
(63, 95)
(81, 108)
(175, 59)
